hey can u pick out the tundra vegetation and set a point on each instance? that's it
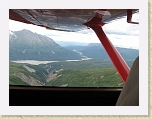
(70, 74)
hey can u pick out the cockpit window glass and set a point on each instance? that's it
(41, 57)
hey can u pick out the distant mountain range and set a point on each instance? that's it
(26, 45)
(97, 51)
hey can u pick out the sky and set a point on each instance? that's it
(119, 32)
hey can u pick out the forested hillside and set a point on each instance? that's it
(71, 74)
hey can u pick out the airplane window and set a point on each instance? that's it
(40, 57)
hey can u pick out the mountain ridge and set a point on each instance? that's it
(26, 45)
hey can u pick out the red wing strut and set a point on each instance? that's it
(96, 24)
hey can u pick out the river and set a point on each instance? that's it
(36, 62)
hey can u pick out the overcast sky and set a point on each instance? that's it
(119, 32)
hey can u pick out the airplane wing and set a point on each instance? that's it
(71, 20)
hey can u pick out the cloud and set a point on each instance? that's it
(124, 41)
(119, 32)
(133, 31)
(121, 27)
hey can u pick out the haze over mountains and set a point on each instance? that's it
(26, 45)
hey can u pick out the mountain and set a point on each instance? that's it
(26, 45)
(97, 51)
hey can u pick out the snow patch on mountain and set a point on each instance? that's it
(11, 33)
